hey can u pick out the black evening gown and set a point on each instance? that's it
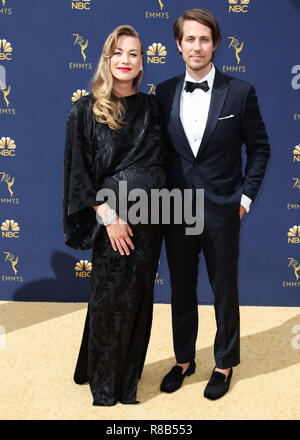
(119, 317)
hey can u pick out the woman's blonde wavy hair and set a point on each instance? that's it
(108, 108)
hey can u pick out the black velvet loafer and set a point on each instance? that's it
(173, 380)
(80, 380)
(218, 385)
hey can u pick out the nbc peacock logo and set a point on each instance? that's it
(83, 269)
(296, 153)
(5, 50)
(294, 235)
(7, 147)
(238, 5)
(78, 94)
(156, 53)
(10, 229)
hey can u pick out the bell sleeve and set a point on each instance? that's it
(79, 192)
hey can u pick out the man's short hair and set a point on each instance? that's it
(202, 16)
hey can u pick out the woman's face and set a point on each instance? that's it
(127, 59)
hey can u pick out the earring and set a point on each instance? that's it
(141, 68)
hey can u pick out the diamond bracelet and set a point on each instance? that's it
(110, 217)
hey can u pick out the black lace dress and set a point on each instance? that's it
(119, 316)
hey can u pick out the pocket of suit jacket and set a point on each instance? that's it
(222, 118)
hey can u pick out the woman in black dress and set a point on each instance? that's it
(113, 135)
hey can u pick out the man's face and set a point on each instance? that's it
(196, 46)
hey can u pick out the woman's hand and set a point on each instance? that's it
(119, 233)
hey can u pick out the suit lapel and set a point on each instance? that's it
(175, 127)
(218, 96)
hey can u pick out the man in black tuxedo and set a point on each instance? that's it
(208, 116)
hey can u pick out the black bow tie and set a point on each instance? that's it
(191, 86)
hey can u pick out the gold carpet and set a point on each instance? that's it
(39, 344)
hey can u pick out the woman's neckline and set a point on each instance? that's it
(129, 96)
(120, 97)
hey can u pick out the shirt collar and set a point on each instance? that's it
(209, 77)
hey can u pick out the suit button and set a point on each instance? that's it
(196, 163)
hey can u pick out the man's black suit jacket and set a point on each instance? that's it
(234, 119)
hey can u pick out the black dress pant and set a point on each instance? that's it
(220, 245)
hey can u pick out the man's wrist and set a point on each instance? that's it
(246, 202)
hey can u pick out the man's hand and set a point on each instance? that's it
(242, 211)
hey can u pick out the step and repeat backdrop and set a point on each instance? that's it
(48, 52)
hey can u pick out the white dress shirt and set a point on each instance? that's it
(194, 107)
